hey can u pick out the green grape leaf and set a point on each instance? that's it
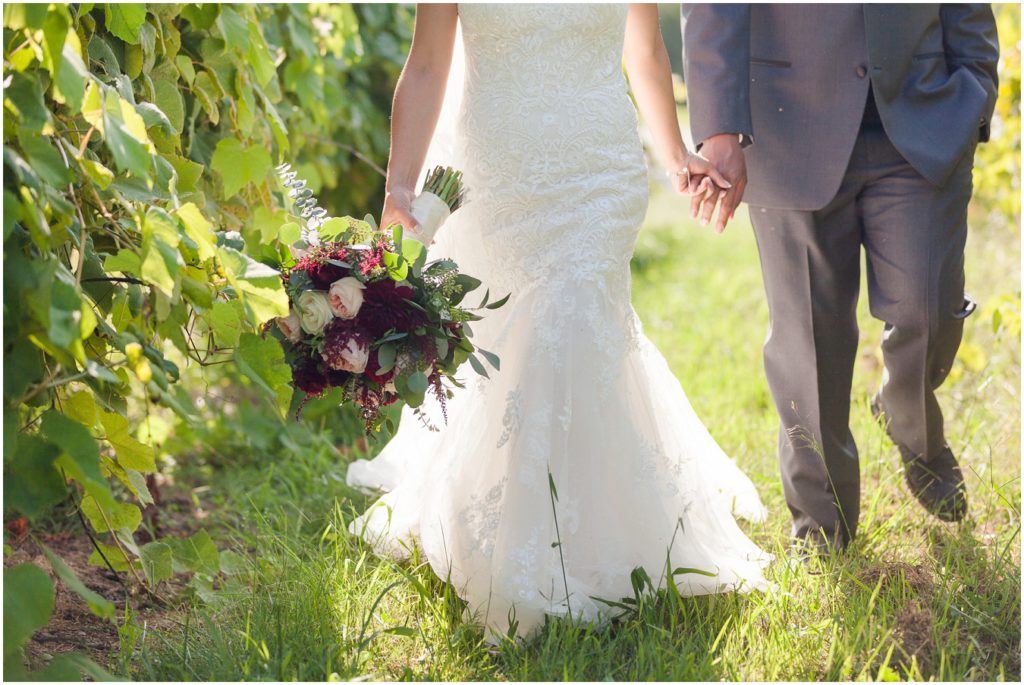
(234, 564)
(260, 286)
(259, 55)
(131, 453)
(206, 91)
(333, 227)
(114, 555)
(188, 172)
(196, 554)
(18, 16)
(239, 166)
(154, 116)
(198, 229)
(125, 261)
(196, 291)
(168, 99)
(81, 454)
(124, 131)
(136, 482)
(24, 95)
(120, 515)
(55, 28)
(160, 256)
(71, 320)
(290, 233)
(233, 28)
(201, 16)
(101, 175)
(71, 79)
(45, 159)
(185, 68)
(124, 19)
(28, 605)
(262, 360)
(156, 561)
(23, 366)
(226, 322)
(98, 605)
(32, 485)
(81, 406)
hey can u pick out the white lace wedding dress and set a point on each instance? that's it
(547, 138)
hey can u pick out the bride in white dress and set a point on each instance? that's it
(581, 459)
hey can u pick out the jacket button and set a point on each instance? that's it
(862, 71)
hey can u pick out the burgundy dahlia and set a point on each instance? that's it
(385, 307)
(308, 378)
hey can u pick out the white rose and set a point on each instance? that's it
(314, 311)
(346, 297)
(290, 325)
(353, 358)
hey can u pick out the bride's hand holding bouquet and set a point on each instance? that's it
(369, 314)
(422, 215)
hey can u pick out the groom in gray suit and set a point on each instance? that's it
(855, 127)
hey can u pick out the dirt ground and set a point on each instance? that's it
(73, 628)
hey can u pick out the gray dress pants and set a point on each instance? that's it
(913, 234)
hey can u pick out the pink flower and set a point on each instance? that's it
(290, 326)
(346, 297)
(345, 348)
(352, 357)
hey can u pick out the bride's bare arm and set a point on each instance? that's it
(416, 107)
(650, 78)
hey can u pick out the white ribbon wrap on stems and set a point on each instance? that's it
(430, 211)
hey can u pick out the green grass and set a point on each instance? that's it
(913, 598)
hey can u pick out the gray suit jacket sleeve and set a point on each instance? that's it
(970, 40)
(716, 67)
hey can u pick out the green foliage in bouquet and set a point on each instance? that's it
(140, 239)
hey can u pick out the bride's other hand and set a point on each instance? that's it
(398, 210)
(704, 197)
(699, 166)
(707, 188)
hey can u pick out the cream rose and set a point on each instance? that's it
(346, 297)
(314, 311)
(290, 325)
(352, 358)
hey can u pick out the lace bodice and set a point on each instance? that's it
(546, 120)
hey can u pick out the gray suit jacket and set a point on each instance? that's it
(793, 80)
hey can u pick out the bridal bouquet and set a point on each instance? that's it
(369, 314)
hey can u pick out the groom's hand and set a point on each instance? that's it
(726, 154)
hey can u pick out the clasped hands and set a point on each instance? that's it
(714, 178)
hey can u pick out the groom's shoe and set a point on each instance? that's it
(938, 484)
